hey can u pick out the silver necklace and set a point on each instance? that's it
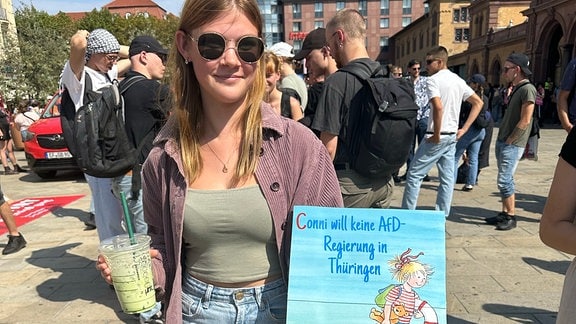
(224, 167)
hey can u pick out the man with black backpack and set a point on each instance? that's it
(94, 59)
(345, 35)
(146, 105)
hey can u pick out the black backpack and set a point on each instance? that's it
(381, 124)
(95, 133)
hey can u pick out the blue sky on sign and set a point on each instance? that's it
(54, 6)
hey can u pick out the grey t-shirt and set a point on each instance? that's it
(524, 92)
(293, 81)
(227, 239)
(334, 105)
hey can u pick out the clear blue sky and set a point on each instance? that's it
(54, 6)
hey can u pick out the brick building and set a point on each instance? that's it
(383, 17)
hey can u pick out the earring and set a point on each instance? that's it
(186, 61)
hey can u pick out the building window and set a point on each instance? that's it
(296, 26)
(461, 34)
(296, 11)
(318, 24)
(384, 22)
(406, 21)
(340, 5)
(362, 7)
(318, 10)
(461, 15)
(406, 7)
(421, 41)
(384, 7)
(384, 43)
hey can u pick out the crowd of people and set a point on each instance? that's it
(216, 137)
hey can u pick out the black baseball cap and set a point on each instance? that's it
(146, 44)
(522, 61)
(315, 39)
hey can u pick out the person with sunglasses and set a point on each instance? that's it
(513, 135)
(225, 172)
(99, 56)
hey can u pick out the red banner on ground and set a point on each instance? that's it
(28, 209)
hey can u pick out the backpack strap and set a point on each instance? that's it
(362, 73)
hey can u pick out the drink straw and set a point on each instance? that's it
(127, 219)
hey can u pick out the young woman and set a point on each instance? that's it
(557, 228)
(284, 104)
(223, 177)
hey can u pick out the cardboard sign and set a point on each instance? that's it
(353, 265)
(28, 209)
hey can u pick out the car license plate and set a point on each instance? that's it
(58, 155)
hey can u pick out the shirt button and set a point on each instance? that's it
(238, 295)
(275, 186)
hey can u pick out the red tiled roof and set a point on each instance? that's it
(131, 4)
(76, 15)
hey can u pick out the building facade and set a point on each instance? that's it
(384, 18)
(127, 8)
(447, 24)
(7, 24)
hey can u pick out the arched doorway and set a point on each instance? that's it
(495, 73)
(551, 55)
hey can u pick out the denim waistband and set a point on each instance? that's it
(223, 294)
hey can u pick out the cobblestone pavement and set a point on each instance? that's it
(492, 276)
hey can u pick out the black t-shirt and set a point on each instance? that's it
(146, 110)
(568, 152)
(333, 107)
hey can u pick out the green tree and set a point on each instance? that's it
(43, 42)
(34, 64)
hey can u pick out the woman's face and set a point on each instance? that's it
(225, 79)
(271, 81)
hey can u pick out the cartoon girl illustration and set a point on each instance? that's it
(411, 274)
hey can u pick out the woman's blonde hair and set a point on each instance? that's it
(273, 62)
(188, 98)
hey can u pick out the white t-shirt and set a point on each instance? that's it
(452, 91)
(76, 87)
(25, 119)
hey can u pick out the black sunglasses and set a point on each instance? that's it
(213, 45)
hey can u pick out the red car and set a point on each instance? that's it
(44, 144)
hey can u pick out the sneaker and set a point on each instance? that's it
(15, 244)
(496, 219)
(467, 188)
(397, 179)
(90, 223)
(155, 319)
(10, 171)
(507, 224)
(19, 169)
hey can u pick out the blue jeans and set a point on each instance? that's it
(205, 303)
(507, 157)
(428, 154)
(470, 142)
(135, 207)
(107, 209)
